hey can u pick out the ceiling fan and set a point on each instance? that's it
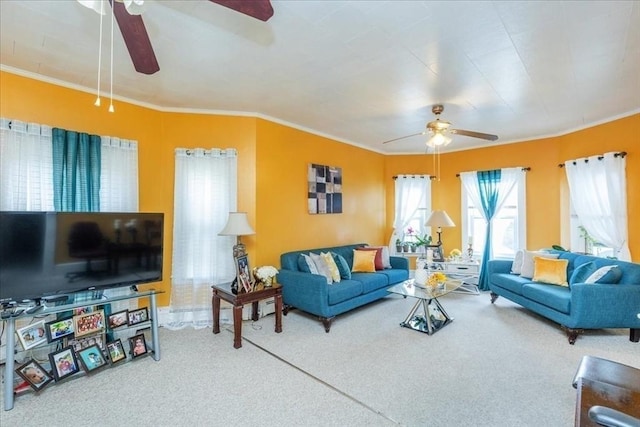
(440, 129)
(127, 14)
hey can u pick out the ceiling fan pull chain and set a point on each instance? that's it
(97, 103)
(111, 109)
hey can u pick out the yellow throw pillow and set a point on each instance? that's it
(364, 261)
(333, 267)
(553, 271)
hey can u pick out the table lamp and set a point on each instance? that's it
(237, 225)
(439, 219)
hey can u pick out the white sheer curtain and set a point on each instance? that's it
(119, 175)
(26, 166)
(412, 192)
(205, 192)
(598, 190)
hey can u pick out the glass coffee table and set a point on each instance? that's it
(427, 314)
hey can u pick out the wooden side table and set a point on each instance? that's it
(223, 291)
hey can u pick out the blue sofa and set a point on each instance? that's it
(579, 306)
(311, 293)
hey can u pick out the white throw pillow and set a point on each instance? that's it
(322, 267)
(516, 267)
(528, 266)
(312, 265)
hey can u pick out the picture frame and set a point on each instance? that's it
(116, 320)
(438, 255)
(137, 346)
(92, 359)
(32, 335)
(115, 350)
(243, 273)
(60, 328)
(138, 316)
(86, 341)
(63, 363)
(89, 323)
(33, 373)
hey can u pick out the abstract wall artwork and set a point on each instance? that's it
(324, 192)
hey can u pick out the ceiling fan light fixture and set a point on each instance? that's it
(438, 140)
(96, 5)
(135, 7)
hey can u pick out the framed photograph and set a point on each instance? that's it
(438, 256)
(92, 358)
(115, 350)
(147, 334)
(138, 346)
(59, 329)
(32, 335)
(243, 273)
(84, 342)
(34, 374)
(88, 323)
(118, 319)
(63, 363)
(138, 316)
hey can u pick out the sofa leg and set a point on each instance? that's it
(572, 334)
(634, 335)
(286, 308)
(494, 297)
(326, 321)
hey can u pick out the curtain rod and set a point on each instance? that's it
(415, 176)
(523, 169)
(620, 154)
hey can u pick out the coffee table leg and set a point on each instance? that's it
(278, 303)
(215, 302)
(237, 326)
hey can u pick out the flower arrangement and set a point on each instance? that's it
(266, 273)
(455, 253)
(436, 278)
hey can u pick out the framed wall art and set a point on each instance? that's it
(324, 189)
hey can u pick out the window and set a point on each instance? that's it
(413, 205)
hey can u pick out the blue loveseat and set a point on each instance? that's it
(312, 294)
(580, 305)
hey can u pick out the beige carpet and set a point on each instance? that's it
(495, 365)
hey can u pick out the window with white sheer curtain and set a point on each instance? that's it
(119, 175)
(412, 206)
(205, 192)
(598, 191)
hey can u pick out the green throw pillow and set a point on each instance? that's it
(582, 272)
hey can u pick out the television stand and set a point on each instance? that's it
(21, 313)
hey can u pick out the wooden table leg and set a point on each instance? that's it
(237, 326)
(254, 311)
(278, 304)
(215, 303)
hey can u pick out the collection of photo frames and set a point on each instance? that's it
(83, 344)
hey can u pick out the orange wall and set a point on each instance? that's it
(272, 169)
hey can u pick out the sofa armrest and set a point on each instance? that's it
(399, 262)
(604, 304)
(306, 291)
(499, 266)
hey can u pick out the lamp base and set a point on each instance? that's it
(239, 249)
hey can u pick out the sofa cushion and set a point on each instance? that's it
(610, 274)
(371, 281)
(555, 297)
(509, 282)
(322, 267)
(582, 272)
(516, 267)
(394, 275)
(377, 261)
(343, 266)
(553, 271)
(363, 261)
(386, 257)
(527, 262)
(331, 265)
(306, 264)
(343, 291)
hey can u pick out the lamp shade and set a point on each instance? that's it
(237, 225)
(439, 219)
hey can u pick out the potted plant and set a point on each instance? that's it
(398, 245)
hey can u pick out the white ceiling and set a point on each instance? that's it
(362, 72)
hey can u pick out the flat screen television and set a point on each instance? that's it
(50, 254)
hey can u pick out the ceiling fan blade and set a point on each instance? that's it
(408, 136)
(472, 134)
(136, 38)
(259, 9)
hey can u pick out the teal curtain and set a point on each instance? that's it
(76, 171)
(488, 183)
